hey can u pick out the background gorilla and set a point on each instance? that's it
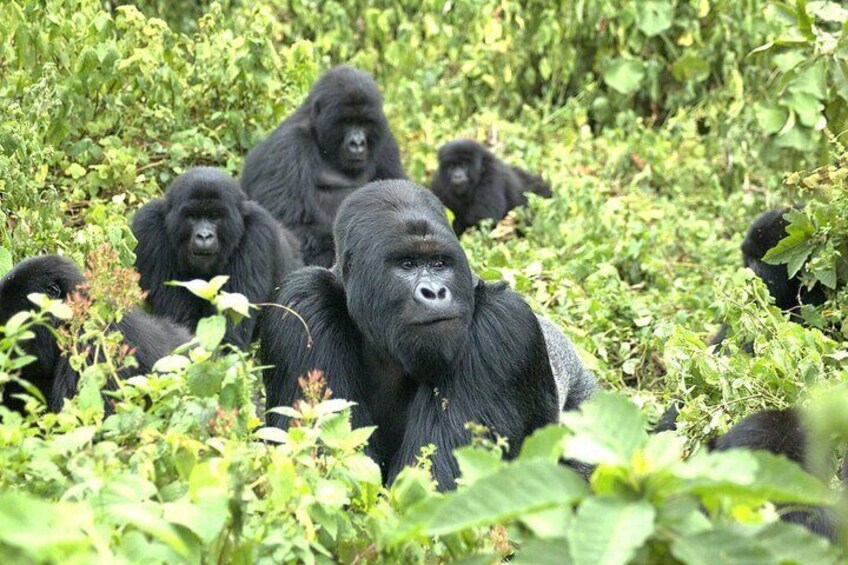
(335, 142)
(402, 327)
(781, 432)
(204, 227)
(764, 233)
(150, 337)
(476, 185)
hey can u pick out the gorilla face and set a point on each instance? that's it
(460, 167)
(52, 275)
(347, 119)
(408, 284)
(204, 220)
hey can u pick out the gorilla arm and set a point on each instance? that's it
(318, 297)
(254, 268)
(503, 381)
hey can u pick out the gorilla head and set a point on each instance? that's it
(56, 277)
(346, 114)
(765, 233)
(460, 167)
(414, 298)
(204, 222)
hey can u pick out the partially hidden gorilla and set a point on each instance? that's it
(204, 227)
(335, 142)
(476, 185)
(402, 327)
(782, 432)
(149, 337)
(789, 295)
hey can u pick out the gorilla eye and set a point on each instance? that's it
(407, 264)
(53, 290)
(439, 263)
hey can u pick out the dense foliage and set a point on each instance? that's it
(664, 127)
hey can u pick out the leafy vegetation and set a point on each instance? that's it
(664, 126)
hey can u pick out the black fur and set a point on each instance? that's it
(476, 185)
(252, 248)
(300, 173)
(781, 432)
(419, 370)
(150, 338)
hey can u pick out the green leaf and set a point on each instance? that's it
(236, 305)
(5, 261)
(654, 16)
(210, 331)
(203, 382)
(610, 531)
(539, 552)
(690, 67)
(608, 428)
(476, 463)
(171, 364)
(795, 248)
(201, 288)
(520, 488)
(624, 75)
(544, 443)
(771, 118)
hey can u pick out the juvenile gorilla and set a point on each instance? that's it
(335, 142)
(789, 295)
(476, 185)
(151, 338)
(204, 227)
(401, 327)
(782, 432)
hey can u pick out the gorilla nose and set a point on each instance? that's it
(204, 239)
(357, 143)
(435, 296)
(458, 176)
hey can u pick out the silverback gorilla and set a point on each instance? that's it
(476, 185)
(335, 142)
(403, 328)
(150, 337)
(782, 432)
(203, 227)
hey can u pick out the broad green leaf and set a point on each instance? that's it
(654, 16)
(201, 288)
(205, 517)
(147, 517)
(5, 261)
(233, 302)
(476, 463)
(608, 531)
(539, 552)
(608, 428)
(203, 382)
(39, 528)
(624, 75)
(795, 248)
(520, 488)
(771, 118)
(210, 331)
(690, 67)
(544, 443)
(171, 364)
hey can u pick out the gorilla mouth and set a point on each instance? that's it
(434, 321)
(209, 253)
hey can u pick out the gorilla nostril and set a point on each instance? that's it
(443, 293)
(428, 293)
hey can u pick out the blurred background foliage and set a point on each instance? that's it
(665, 127)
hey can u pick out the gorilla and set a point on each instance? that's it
(781, 432)
(150, 337)
(789, 295)
(335, 142)
(764, 234)
(402, 327)
(476, 185)
(203, 227)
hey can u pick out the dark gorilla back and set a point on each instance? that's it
(150, 338)
(476, 185)
(782, 432)
(335, 142)
(204, 227)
